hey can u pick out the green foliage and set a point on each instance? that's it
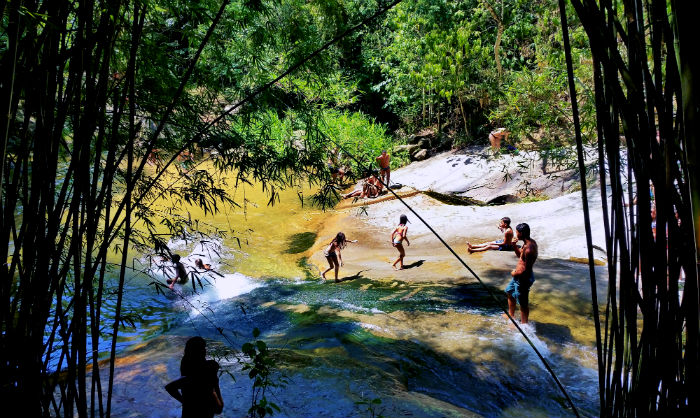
(438, 65)
(261, 369)
(534, 102)
(359, 135)
(370, 407)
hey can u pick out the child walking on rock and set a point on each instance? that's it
(333, 255)
(397, 237)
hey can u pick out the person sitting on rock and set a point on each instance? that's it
(180, 272)
(505, 244)
(373, 187)
(369, 187)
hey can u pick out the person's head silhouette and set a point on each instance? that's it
(195, 355)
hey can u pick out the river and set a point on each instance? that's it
(428, 347)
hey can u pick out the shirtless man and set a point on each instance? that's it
(518, 289)
(497, 136)
(384, 167)
(180, 272)
(505, 244)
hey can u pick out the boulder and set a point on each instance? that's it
(420, 155)
(410, 148)
(414, 139)
(424, 143)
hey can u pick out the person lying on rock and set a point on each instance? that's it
(201, 265)
(505, 244)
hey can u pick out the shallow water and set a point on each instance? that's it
(424, 349)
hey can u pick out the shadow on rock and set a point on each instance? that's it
(414, 264)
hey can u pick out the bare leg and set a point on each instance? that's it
(399, 247)
(330, 264)
(483, 247)
(337, 267)
(402, 253)
(524, 313)
(511, 304)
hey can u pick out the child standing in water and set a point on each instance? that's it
(397, 237)
(333, 255)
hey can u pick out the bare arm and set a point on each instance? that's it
(405, 236)
(522, 266)
(218, 399)
(173, 388)
(519, 269)
(518, 251)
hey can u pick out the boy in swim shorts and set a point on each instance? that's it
(505, 244)
(384, 168)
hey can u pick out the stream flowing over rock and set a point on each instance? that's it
(428, 341)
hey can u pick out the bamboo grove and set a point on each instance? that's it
(648, 341)
(92, 90)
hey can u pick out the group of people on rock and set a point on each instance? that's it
(374, 182)
(518, 289)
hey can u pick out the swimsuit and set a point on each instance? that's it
(330, 251)
(384, 168)
(519, 288)
(397, 240)
(506, 247)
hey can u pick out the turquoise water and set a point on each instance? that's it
(362, 339)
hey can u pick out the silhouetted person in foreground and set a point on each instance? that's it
(519, 287)
(198, 388)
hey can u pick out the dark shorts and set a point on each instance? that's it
(333, 169)
(520, 289)
(383, 169)
(506, 247)
(331, 254)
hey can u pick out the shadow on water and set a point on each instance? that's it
(330, 356)
(298, 243)
(476, 296)
(332, 360)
